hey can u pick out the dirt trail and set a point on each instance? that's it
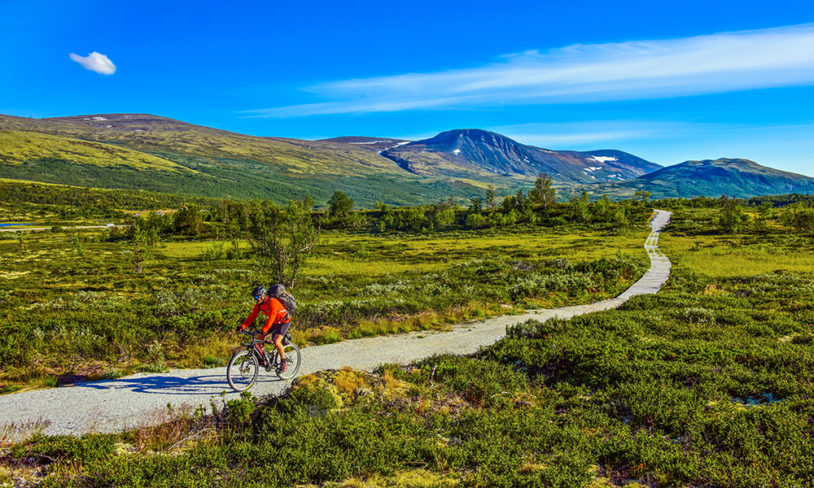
(112, 405)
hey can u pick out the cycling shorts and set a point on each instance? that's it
(281, 329)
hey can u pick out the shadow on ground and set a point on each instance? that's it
(170, 384)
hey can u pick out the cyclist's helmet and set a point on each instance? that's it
(258, 292)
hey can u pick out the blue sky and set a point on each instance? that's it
(667, 81)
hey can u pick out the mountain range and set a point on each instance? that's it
(738, 178)
(141, 151)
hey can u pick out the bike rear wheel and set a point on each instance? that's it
(242, 370)
(293, 357)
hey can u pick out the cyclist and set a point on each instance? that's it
(278, 322)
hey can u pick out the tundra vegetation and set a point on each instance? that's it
(83, 304)
(708, 383)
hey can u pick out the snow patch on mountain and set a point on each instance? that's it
(603, 159)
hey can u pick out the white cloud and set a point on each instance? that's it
(715, 63)
(95, 62)
(594, 132)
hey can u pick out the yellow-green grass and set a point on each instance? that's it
(374, 257)
(32, 182)
(718, 256)
(17, 147)
(579, 244)
(348, 254)
(357, 259)
(417, 478)
(191, 249)
(297, 157)
(398, 324)
(332, 267)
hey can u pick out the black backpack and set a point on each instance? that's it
(289, 302)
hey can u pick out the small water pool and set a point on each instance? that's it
(13, 224)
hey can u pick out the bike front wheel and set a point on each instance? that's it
(242, 370)
(294, 358)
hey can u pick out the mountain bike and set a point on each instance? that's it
(243, 368)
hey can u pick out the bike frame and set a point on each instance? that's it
(252, 346)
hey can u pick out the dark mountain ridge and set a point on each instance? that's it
(739, 178)
(480, 152)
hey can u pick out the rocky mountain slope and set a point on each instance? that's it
(477, 154)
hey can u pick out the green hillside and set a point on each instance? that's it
(207, 162)
(146, 152)
(738, 178)
(17, 147)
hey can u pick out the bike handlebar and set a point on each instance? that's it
(253, 333)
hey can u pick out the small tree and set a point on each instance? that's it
(476, 221)
(620, 217)
(602, 208)
(521, 203)
(732, 215)
(188, 221)
(490, 198)
(475, 205)
(764, 212)
(308, 203)
(78, 246)
(643, 195)
(803, 220)
(282, 239)
(543, 194)
(142, 241)
(340, 206)
(579, 207)
(443, 218)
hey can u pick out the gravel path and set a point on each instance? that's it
(107, 406)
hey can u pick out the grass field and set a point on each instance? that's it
(75, 303)
(706, 384)
(731, 256)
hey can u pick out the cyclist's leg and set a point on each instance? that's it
(278, 332)
(278, 343)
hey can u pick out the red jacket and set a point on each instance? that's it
(273, 308)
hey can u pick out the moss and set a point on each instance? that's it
(418, 478)
(315, 394)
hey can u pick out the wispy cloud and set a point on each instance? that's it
(95, 62)
(715, 63)
(599, 132)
